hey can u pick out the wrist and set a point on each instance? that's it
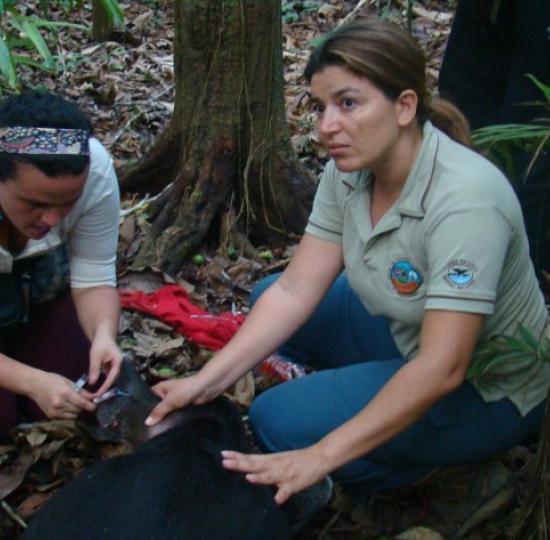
(30, 380)
(328, 454)
(104, 330)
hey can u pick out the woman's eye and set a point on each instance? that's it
(36, 205)
(347, 103)
(317, 108)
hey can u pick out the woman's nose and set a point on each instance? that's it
(328, 122)
(52, 217)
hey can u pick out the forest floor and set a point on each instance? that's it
(127, 89)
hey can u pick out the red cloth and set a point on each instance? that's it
(171, 304)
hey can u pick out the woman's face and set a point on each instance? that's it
(35, 202)
(357, 123)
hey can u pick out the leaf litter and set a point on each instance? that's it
(127, 89)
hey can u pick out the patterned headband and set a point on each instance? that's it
(44, 141)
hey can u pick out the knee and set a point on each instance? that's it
(261, 286)
(262, 416)
(275, 423)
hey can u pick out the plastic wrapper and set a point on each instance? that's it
(277, 367)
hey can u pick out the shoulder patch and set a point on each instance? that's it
(460, 274)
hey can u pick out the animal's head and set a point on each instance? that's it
(122, 410)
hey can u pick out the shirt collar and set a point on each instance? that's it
(411, 200)
(33, 247)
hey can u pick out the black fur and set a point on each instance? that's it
(171, 487)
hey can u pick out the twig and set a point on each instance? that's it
(13, 514)
(352, 13)
(327, 527)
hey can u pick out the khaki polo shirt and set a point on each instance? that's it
(454, 240)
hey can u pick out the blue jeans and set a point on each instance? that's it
(355, 355)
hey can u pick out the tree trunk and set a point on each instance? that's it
(226, 151)
(102, 23)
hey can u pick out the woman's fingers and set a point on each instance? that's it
(236, 461)
(290, 472)
(272, 469)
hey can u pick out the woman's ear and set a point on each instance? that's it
(406, 105)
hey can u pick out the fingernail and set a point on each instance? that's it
(148, 421)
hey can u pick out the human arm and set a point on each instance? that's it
(98, 310)
(93, 237)
(277, 314)
(54, 394)
(447, 342)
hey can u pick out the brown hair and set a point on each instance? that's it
(392, 60)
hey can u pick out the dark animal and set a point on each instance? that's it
(173, 486)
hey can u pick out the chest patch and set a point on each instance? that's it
(405, 278)
(460, 274)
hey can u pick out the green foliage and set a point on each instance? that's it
(292, 10)
(23, 38)
(498, 140)
(113, 11)
(67, 6)
(523, 347)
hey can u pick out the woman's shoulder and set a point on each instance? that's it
(463, 172)
(100, 158)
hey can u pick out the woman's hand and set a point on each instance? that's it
(98, 310)
(175, 394)
(291, 471)
(105, 357)
(56, 396)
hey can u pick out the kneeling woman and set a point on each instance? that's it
(436, 260)
(59, 208)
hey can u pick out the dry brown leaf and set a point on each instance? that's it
(244, 390)
(46, 451)
(31, 504)
(147, 282)
(12, 475)
(36, 437)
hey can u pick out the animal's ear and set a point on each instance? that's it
(129, 379)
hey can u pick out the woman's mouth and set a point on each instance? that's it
(42, 231)
(337, 149)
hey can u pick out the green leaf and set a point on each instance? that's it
(166, 372)
(43, 23)
(28, 61)
(541, 86)
(36, 37)
(508, 132)
(529, 339)
(7, 64)
(113, 10)
(478, 368)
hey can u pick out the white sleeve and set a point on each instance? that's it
(93, 236)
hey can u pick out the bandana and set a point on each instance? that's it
(44, 141)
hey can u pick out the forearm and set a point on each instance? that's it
(277, 314)
(15, 376)
(98, 310)
(402, 401)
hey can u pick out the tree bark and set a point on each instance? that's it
(227, 149)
